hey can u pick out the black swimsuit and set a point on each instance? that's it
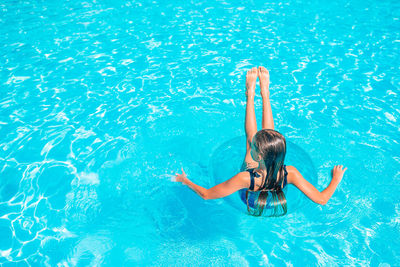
(253, 173)
(253, 195)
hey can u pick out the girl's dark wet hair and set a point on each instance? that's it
(271, 145)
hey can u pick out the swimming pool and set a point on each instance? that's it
(102, 101)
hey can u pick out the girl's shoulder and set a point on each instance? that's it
(244, 176)
(292, 173)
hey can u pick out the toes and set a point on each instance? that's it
(251, 72)
(263, 69)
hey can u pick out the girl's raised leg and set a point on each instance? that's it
(267, 119)
(250, 120)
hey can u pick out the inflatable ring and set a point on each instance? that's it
(227, 159)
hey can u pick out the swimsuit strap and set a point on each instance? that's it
(252, 173)
(285, 176)
(251, 179)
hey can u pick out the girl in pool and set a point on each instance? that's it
(263, 170)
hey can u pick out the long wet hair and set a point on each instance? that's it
(271, 145)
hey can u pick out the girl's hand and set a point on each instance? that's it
(180, 177)
(337, 172)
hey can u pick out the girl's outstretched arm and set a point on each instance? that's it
(224, 189)
(311, 192)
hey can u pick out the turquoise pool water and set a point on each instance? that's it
(102, 101)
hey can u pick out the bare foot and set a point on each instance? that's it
(263, 75)
(251, 78)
